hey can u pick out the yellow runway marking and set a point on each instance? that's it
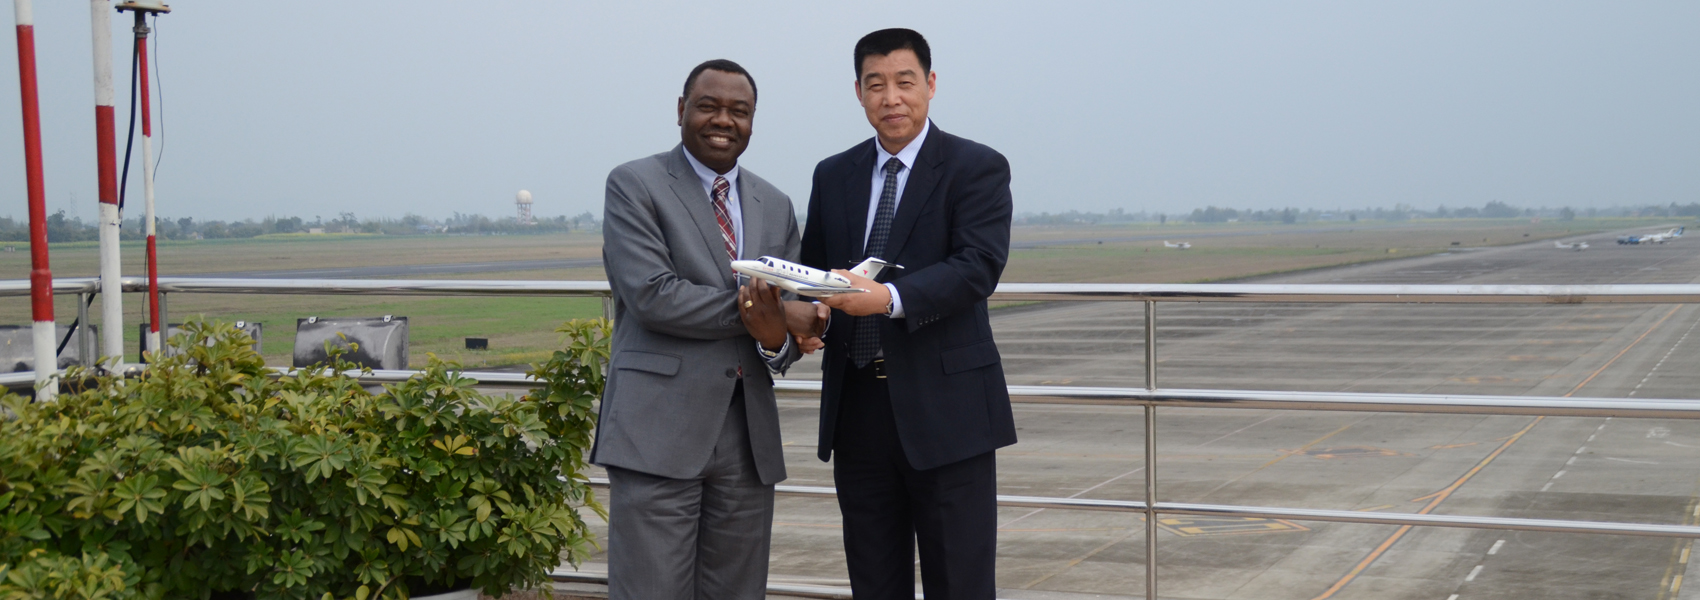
(1338, 452)
(1187, 526)
(1301, 449)
(1437, 498)
(1071, 564)
(1284, 455)
(1674, 572)
(1434, 502)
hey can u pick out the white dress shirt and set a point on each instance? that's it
(906, 156)
(736, 211)
(733, 209)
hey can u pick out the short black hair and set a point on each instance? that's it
(887, 41)
(724, 66)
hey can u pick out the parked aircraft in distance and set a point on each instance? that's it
(1571, 246)
(1655, 238)
(1178, 245)
(806, 281)
(1660, 238)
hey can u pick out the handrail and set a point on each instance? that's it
(1551, 406)
(1118, 292)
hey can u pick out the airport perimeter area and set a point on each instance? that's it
(1623, 470)
(1636, 470)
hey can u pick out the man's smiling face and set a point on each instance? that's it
(895, 91)
(715, 119)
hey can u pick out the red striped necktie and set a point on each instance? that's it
(722, 193)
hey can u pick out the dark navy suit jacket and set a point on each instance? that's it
(951, 235)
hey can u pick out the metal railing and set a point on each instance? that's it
(1150, 398)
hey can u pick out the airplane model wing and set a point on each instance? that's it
(821, 291)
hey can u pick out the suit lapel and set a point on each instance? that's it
(749, 204)
(687, 188)
(856, 206)
(917, 192)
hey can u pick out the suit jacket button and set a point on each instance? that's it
(731, 372)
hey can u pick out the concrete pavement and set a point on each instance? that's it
(1571, 468)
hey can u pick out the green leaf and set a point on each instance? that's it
(141, 494)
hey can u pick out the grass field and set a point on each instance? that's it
(301, 251)
(521, 329)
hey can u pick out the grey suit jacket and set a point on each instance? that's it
(678, 340)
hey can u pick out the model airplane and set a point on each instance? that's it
(805, 281)
(1571, 246)
(1180, 245)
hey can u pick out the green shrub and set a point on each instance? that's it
(211, 475)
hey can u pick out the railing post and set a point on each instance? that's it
(1151, 452)
(1151, 345)
(608, 308)
(85, 342)
(161, 332)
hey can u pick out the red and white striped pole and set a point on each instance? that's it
(106, 148)
(153, 342)
(41, 273)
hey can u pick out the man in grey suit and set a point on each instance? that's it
(689, 431)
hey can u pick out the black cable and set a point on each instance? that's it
(72, 330)
(159, 97)
(130, 140)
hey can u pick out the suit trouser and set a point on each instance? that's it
(704, 538)
(889, 508)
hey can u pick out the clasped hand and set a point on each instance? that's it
(875, 301)
(768, 318)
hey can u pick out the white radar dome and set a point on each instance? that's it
(523, 197)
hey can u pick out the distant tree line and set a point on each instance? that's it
(61, 228)
(1399, 212)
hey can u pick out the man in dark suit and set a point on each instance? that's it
(914, 402)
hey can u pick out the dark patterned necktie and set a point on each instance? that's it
(722, 193)
(866, 344)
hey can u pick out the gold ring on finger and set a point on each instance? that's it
(749, 303)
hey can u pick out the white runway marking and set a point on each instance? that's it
(1661, 362)
(1495, 549)
(1639, 462)
(1473, 573)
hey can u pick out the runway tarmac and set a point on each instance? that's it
(1598, 469)
(412, 270)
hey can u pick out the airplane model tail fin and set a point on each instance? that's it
(871, 268)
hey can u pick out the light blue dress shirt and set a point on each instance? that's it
(736, 211)
(907, 157)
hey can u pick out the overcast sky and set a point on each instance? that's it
(311, 108)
